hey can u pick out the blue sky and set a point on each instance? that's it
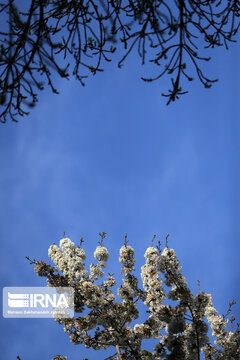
(113, 157)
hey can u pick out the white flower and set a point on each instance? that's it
(139, 330)
(78, 275)
(111, 297)
(95, 271)
(124, 292)
(61, 263)
(151, 253)
(168, 252)
(80, 253)
(101, 253)
(66, 245)
(52, 250)
(126, 251)
(127, 256)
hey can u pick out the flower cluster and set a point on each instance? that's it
(181, 330)
(70, 260)
(101, 253)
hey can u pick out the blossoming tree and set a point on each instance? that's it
(181, 331)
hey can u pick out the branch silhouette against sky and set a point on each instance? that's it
(78, 37)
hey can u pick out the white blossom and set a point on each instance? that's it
(184, 325)
(101, 253)
(66, 245)
(127, 255)
(151, 253)
(80, 253)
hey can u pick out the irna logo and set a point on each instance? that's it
(38, 302)
(35, 300)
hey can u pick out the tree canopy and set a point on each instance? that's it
(181, 330)
(77, 37)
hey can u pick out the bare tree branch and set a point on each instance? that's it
(79, 36)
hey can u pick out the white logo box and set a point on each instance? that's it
(38, 302)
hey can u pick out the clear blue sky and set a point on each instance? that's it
(113, 157)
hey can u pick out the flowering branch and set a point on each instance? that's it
(182, 330)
